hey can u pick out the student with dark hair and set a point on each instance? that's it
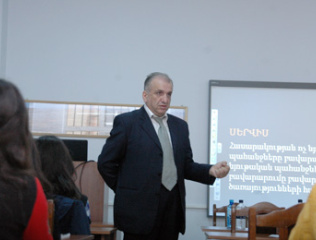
(70, 204)
(37, 166)
(23, 211)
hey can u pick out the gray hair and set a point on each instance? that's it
(151, 76)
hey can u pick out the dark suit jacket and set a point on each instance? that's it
(131, 165)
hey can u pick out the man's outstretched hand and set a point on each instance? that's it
(219, 170)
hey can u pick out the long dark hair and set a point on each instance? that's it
(57, 166)
(15, 145)
(37, 166)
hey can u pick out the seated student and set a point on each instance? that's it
(23, 211)
(305, 227)
(56, 162)
(37, 166)
(47, 187)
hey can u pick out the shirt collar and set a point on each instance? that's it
(150, 113)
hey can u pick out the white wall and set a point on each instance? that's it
(3, 29)
(102, 50)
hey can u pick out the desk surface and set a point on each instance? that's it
(226, 235)
(237, 236)
(79, 237)
(221, 229)
(102, 230)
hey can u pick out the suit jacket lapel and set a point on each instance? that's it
(147, 125)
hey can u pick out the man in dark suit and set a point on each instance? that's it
(132, 163)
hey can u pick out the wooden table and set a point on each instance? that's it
(226, 235)
(221, 229)
(237, 236)
(79, 237)
(104, 232)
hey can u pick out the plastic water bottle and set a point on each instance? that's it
(240, 220)
(229, 213)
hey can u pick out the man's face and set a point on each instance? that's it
(158, 97)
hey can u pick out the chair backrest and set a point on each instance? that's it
(219, 210)
(222, 209)
(91, 184)
(280, 219)
(259, 208)
(51, 213)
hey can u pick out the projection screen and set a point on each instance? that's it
(266, 131)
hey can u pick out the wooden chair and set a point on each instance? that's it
(260, 208)
(91, 184)
(280, 219)
(51, 213)
(219, 210)
(233, 233)
(214, 226)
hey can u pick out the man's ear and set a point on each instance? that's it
(145, 96)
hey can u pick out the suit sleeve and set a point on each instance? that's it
(194, 171)
(37, 228)
(113, 153)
